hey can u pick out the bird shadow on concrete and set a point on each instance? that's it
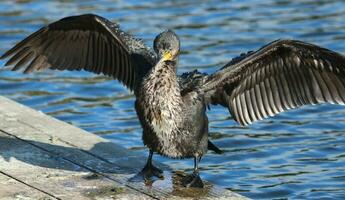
(104, 157)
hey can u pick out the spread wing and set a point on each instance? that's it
(282, 75)
(87, 42)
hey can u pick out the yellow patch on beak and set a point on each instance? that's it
(167, 56)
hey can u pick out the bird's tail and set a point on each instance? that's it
(214, 148)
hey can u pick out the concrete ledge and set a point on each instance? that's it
(44, 158)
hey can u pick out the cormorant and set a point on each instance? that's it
(282, 75)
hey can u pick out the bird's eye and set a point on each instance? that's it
(166, 46)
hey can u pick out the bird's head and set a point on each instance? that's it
(167, 45)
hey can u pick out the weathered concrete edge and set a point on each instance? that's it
(39, 121)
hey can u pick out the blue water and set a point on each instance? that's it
(298, 154)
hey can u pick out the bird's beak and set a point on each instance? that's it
(167, 56)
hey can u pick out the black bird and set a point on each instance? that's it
(282, 75)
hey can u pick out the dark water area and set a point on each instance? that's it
(298, 154)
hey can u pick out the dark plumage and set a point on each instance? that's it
(282, 75)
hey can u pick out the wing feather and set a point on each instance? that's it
(87, 42)
(282, 75)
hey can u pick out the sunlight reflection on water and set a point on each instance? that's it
(298, 154)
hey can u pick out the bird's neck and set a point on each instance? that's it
(161, 98)
(162, 82)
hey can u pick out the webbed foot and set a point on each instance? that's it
(192, 180)
(150, 171)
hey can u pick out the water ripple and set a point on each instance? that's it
(298, 154)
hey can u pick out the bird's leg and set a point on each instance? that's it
(150, 170)
(193, 180)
